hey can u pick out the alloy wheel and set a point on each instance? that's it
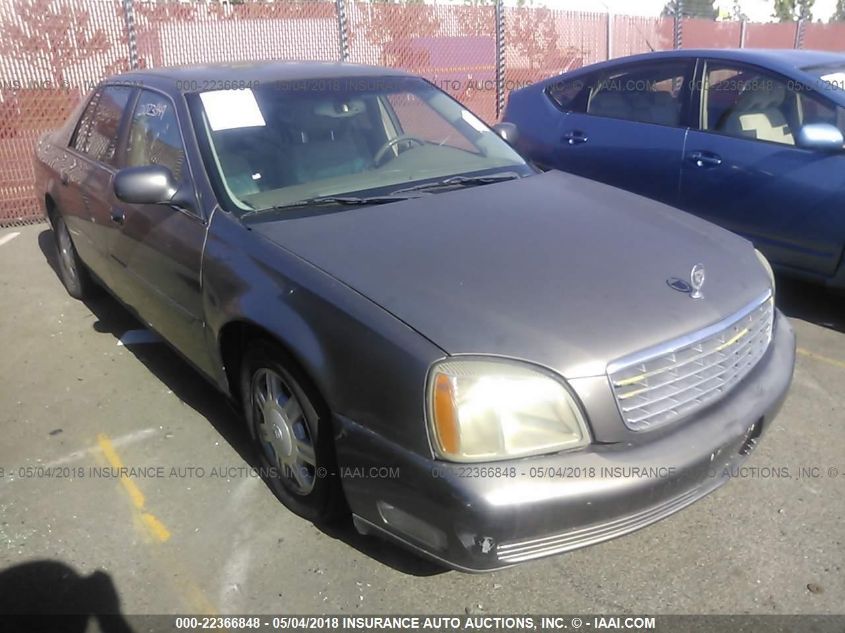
(283, 431)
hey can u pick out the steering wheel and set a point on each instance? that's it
(404, 138)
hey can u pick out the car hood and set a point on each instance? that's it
(554, 269)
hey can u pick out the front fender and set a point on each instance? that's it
(368, 365)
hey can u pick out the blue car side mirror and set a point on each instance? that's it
(821, 136)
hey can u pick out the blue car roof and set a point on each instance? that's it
(787, 61)
(783, 59)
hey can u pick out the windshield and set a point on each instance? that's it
(278, 144)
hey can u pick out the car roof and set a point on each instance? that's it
(789, 62)
(214, 76)
(776, 58)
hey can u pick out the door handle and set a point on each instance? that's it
(118, 216)
(574, 137)
(705, 159)
(65, 179)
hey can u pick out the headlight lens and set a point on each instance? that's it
(489, 409)
(767, 266)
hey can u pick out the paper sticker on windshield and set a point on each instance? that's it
(230, 109)
(473, 120)
(837, 79)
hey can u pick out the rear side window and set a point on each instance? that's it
(647, 93)
(567, 94)
(154, 137)
(79, 142)
(105, 126)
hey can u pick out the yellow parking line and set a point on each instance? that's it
(155, 527)
(190, 592)
(819, 357)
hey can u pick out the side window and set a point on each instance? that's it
(649, 93)
(568, 94)
(154, 137)
(79, 141)
(105, 126)
(746, 103)
(813, 109)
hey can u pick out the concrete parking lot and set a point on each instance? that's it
(72, 394)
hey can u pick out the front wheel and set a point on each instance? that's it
(291, 429)
(75, 276)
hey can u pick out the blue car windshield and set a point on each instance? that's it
(276, 144)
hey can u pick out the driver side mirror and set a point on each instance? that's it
(149, 184)
(821, 136)
(508, 132)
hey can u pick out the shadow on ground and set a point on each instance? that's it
(812, 303)
(192, 389)
(52, 597)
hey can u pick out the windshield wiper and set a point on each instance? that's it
(460, 181)
(329, 200)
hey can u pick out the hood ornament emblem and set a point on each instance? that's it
(691, 287)
(696, 278)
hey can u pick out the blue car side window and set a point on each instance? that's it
(569, 94)
(645, 93)
(746, 103)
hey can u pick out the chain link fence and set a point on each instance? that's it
(52, 52)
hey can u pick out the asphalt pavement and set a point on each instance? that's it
(76, 404)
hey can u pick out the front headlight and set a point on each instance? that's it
(482, 409)
(767, 266)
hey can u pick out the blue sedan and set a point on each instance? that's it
(749, 139)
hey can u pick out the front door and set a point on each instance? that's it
(744, 169)
(158, 253)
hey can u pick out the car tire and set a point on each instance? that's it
(72, 271)
(291, 429)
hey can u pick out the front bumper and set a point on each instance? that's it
(480, 517)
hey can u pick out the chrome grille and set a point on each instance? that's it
(659, 386)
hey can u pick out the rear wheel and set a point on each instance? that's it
(75, 276)
(292, 431)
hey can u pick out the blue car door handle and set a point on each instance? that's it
(705, 159)
(574, 137)
(118, 216)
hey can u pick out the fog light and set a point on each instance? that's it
(410, 526)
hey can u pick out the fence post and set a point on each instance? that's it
(799, 33)
(500, 57)
(131, 38)
(609, 33)
(742, 33)
(679, 24)
(342, 29)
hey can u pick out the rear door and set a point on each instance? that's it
(158, 251)
(626, 127)
(744, 170)
(89, 195)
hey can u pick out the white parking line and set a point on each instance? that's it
(138, 337)
(8, 238)
(235, 571)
